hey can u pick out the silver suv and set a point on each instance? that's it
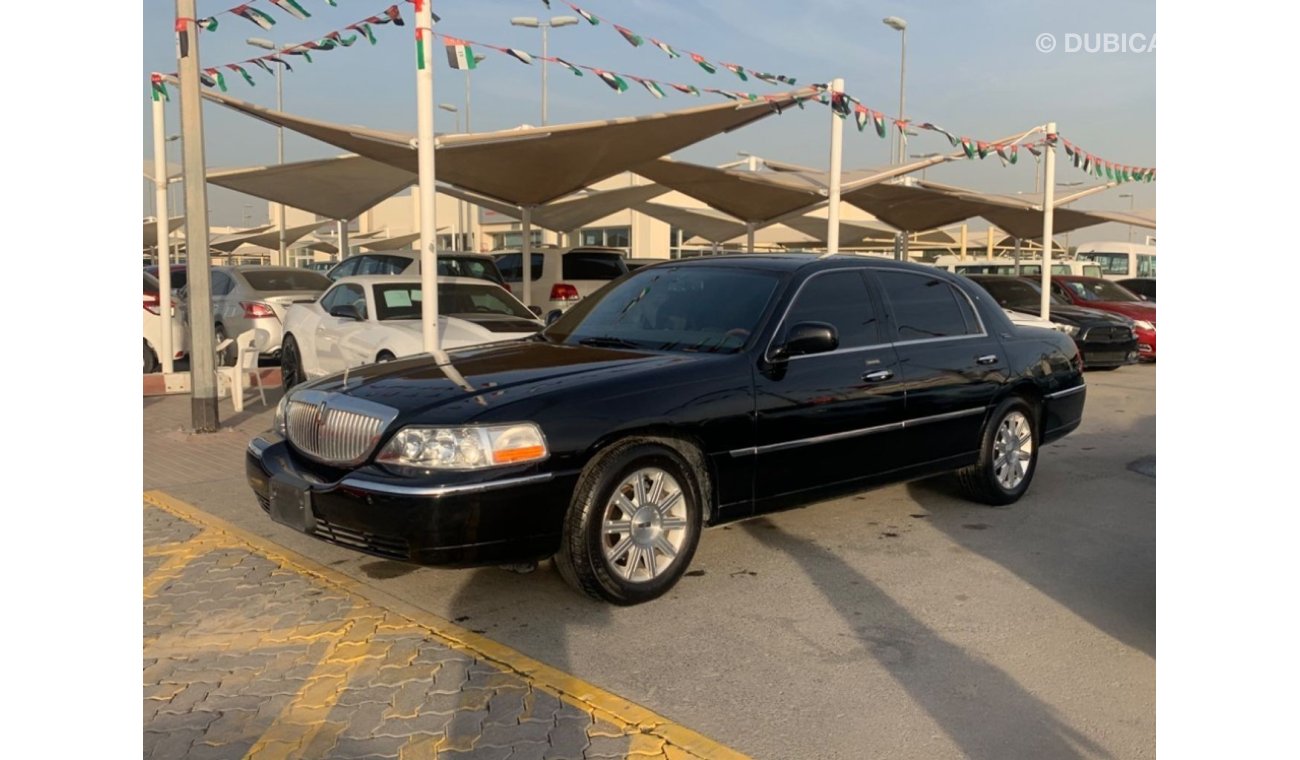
(562, 276)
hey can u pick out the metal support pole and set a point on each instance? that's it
(428, 186)
(961, 252)
(545, 26)
(1049, 186)
(526, 256)
(988, 244)
(1015, 257)
(203, 376)
(166, 351)
(279, 148)
(902, 77)
(749, 236)
(343, 238)
(679, 242)
(833, 197)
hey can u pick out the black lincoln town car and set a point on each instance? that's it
(682, 395)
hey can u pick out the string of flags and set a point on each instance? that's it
(257, 16)
(215, 76)
(636, 40)
(1098, 166)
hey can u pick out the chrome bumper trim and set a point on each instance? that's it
(362, 484)
(1068, 391)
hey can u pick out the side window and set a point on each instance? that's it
(393, 264)
(371, 265)
(926, 307)
(347, 268)
(343, 295)
(1146, 266)
(838, 298)
(222, 284)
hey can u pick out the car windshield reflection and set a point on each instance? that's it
(692, 309)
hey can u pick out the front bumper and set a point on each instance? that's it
(459, 519)
(1147, 344)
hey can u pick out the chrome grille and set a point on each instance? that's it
(334, 428)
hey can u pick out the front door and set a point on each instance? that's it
(828, 418)
(331, 330)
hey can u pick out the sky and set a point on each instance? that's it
(972, 67)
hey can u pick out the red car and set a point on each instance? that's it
(1096, 293)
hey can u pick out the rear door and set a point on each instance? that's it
(950, 364)
(830, 417)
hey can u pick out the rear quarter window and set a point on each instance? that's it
(582, 265)
(926, 307)
(286, 279)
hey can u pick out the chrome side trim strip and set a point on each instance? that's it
(1068, 391)
(753, 450)
(437, 492)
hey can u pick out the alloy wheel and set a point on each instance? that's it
(1013, 447)
(644, 525)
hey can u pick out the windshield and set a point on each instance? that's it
(402, 301)
(1100, 290)
(672, 308)
(286, 279)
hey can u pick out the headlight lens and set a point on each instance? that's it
(281, 410)
(465, 448)
(1142, 324)
(1070, 330)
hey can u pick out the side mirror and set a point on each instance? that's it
(536, 310)
(807, 338)
(347, 311)
(554, 315)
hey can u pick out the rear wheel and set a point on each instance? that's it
(290, 363)
(1008, 455)
(634, 523)
(150, 359)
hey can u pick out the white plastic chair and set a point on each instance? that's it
(249, 346)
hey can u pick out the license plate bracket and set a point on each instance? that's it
(291, 504)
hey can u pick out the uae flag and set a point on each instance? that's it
(861, 115)
(208, 24)
(159, 89)
(292, 8)
(652, 87)
(340, 39)
(784, 78)
(1009, 158)
(769, 78)
(878, 119)
(459, 55)
(590, 18)
(254, 15)
(391, 16)
(365, 30)
(703, 63)
(968, 147)
(936, 128)
(613, 80)
(688, 89)
(1034, 149)
(1110, 170)
(577, 72)
(518, 55)
(664, 46)
(982, 148)
(262, 64)
(242, 72)
(737, 70)
(629, 35)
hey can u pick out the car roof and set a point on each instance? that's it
(409, 254)
(798, 261)
(393, 279)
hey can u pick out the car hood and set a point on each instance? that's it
(1129, 309)
(494, 375)
(458, 333)
(1078, 315)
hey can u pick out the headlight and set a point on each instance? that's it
(1070, 330)
(1144, 325)
(465, 448)
(281, 410)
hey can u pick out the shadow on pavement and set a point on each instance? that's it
(982, 709)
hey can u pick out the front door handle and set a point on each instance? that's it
(987, 359)
(877, 376)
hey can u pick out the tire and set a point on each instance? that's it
(989, 481)
(290, 363)
(150, 360)
(627, 568)
(227, 357)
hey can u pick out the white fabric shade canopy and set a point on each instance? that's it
(333, 188)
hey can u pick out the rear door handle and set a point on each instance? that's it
(987, 359)
(878, 375)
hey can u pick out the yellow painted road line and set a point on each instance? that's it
(678, 740)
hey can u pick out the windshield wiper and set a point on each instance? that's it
(608, 341)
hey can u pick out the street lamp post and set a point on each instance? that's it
(265, 44)
(1130, 208)
(533, 22)
(894, 22)
(458, 243)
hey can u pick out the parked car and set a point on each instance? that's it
(320, 266)
(635, 264)
(1144, 287)
(179, 274)
(562, 276)
(258, 297)
(376, 319)
(1106, 295)
(1105, 340)
(450, 264)
(688, 394)
(1003, 265)
(154, 324)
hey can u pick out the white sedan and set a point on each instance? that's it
(362, 320)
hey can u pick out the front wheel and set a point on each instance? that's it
(1008, 455)
(290, 363)
(634, 523)
(150, 360)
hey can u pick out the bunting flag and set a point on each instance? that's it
(737, 70)
(968, 147)
(1087, 163)
(340, 39)
(217, 78)
(839, 104)
(723, 93)
(263, 66)
(299, 51)
(629, 35)
(243, 73)
(391, 16)
(292, 8)
(703, 63)
(518, 55)
(664, 46)
(332, 3)
(208, 24)
(459, 55)
(613, 80)
(158, 88)
(651, 86)
(1069, 149)
(576, 71)
(252, 14)
(878, 119)
(365, 30)
(1034, 149)
(952, 139)
(769, 78)
(982, 148)
(279, 60)
(785, 79)
(547, 3)
(590, 18)
(687, 89)
(206, 79)
(861, 115)
(1002, 153)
